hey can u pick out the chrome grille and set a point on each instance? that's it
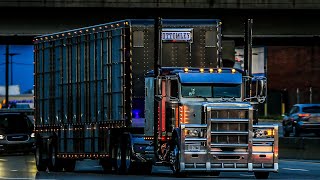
(229, 126)
(22, 137)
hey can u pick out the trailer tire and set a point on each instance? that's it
(41, 164)
(261, 175)
(124, 155)
(54, 163)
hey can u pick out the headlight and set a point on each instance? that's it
(263, 133)
(32, 135)
(193, 132)
(1, 136)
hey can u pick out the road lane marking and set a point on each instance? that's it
(13, 178)
(301, 161)
(290, 169)
(14, 170)
(4, 160)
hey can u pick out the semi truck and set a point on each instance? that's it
(139, 93)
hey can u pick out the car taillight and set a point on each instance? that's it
(303, 115)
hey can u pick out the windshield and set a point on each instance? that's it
(196, 91)
(227, 90)
(14, 124)
(211, 90)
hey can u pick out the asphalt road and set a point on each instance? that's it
(22, 167)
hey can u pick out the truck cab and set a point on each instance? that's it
(205, 122)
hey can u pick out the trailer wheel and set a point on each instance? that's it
(127, 158)
(118, 159)
(124, 152)
(53, 162)
(40, 162)
(261, 175)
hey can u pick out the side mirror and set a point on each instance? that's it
(261, 89)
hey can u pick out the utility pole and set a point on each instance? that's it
(11, 66)
(7, 75)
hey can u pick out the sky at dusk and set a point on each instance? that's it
(22, 66)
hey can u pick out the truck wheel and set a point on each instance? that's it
(70, 165)
(176, 160)
(261, 175)
(40, 162)
(53, 162)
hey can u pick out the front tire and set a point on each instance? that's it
(176, 160)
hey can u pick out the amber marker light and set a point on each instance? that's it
(233, 70)
(186, 69)
(202, 70)
(219, 70)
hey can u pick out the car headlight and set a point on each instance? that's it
(1, 136)
(263, 133)
(32, 135)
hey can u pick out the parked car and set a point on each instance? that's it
(302, 118)
(16, 133)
